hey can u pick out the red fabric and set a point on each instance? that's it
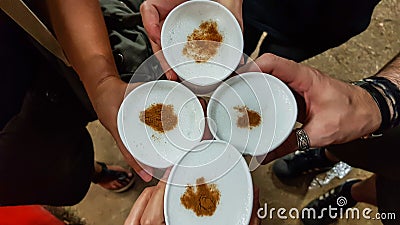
(27, 215)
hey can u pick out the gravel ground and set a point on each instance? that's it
(362, 56)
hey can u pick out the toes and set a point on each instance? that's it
(115, 185)
(118, 185)
(120, 169)
(118, 180)
(123, 182)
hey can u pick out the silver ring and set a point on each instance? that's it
(302, 139)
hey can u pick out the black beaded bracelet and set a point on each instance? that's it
(380, 101)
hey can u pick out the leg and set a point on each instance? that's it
(380, 189)
(251, 37)
(365, 191)
(46, 153)
(387, 199)
(296, 53)
(16, 65)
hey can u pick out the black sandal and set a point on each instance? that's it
(107, 175)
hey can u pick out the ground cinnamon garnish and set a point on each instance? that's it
(203, 199)
(204, 42)
(248, 119)
(160, 117)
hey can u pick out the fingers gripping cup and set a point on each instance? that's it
(203, 43)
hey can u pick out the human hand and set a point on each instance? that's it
(109, 96)
(149, 206)
(331, 111)
(154, 13)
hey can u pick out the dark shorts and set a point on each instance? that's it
(380, 156)
(294, 52)
(46, 153)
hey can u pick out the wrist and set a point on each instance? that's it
(379, 105)
(107, 85)
(97, 72)
(371, 116)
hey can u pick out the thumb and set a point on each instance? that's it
(151, 21)
(296, 76)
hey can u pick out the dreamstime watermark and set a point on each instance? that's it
(330, 212)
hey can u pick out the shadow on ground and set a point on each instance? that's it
(360, 57)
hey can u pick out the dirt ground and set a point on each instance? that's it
(360, 57)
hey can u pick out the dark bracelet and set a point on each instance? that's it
(392, 92)
(380, 101)
(388, 96)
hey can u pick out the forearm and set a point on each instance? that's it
(81, 31)
(235, 6)
(391, 71)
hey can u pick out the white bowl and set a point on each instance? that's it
(160, 149)
(179, 24)
(262, 93)
(220, 164)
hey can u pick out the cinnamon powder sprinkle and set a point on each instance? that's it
(160, 117)
(248, 119)
(203, 199)
(204, 42)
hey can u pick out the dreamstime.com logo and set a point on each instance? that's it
(331, 212)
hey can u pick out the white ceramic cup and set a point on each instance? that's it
(204, 77)
(219, 163)
(261, 93)
(151, 147)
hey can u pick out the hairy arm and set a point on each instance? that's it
(391, 71)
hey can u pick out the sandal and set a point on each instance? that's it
(107, 175)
